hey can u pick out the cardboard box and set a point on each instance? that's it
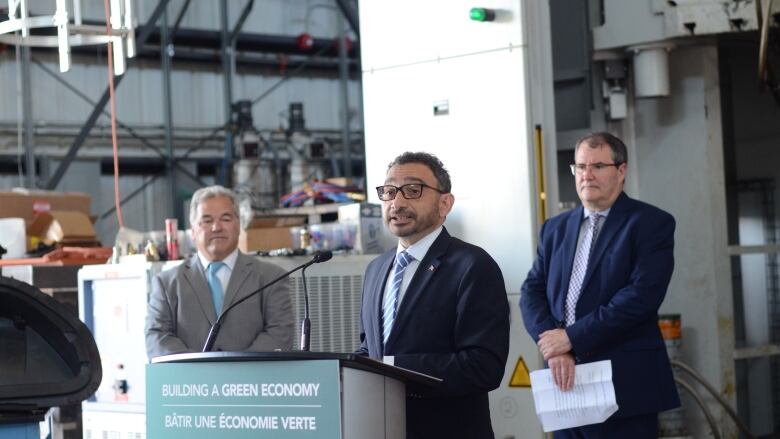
(276, 221)
(267, 233)
(62, 227)
(26, 204)
(367, 230)
(264, 239)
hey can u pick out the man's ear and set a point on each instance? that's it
(622, 171)
(446, 201)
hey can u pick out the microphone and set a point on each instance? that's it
(306, 323)
(321, 257)
(214, 331)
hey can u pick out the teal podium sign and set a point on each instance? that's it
(272, 399)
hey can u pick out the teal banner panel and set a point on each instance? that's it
(250, 399)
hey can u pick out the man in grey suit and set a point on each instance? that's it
(186, 301)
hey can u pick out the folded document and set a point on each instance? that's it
(590, 401)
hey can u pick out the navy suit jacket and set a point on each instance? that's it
(617, 312)
(453, 323)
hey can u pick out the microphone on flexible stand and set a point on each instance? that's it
(214, 331)
(306, 323)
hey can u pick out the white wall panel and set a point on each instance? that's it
(483, 142)
(414, 31)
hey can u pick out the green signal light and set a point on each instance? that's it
(478, 14)
(482, 14)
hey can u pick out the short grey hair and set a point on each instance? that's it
(241, 206)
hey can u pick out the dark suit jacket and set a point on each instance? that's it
(453, 323)
(617, 313)
(181, 310)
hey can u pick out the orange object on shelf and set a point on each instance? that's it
(671, 326)
(66, 256)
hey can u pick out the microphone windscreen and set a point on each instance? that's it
(322, 256)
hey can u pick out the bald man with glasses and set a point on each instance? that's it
(435, 305)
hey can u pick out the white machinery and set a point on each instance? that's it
(112, 303)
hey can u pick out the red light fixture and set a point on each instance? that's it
(305, 42)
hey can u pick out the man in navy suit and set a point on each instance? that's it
(594, 290)
(435, 305)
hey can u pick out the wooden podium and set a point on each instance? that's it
(277, 395)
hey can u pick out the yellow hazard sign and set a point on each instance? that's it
(520, 377)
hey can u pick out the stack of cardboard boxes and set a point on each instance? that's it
(51, 218)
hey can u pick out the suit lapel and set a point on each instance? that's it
(569, 249)
(240, 273)
(193, 274)
(617, 216)
(425, 272)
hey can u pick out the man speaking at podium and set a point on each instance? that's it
(186, 301)
(435, 305)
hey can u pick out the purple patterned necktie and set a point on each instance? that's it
(580, 267)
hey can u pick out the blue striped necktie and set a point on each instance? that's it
(580, 267)
(390, 305)
(217, 295)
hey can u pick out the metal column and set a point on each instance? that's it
(348, 9)
(166, 51)
(27, 117)
(344, 80)
(227, 81)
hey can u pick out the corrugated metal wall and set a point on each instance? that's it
(197, 96)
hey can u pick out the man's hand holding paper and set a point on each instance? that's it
(562, 369)
(591, 400)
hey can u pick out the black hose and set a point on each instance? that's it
(700, 379)
(702, 405)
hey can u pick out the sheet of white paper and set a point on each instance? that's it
(590, 401)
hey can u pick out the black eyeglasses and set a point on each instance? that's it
(579, 168)
(410, 191)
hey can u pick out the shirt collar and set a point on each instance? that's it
(230, 260)
(588, 213)
(419, 249)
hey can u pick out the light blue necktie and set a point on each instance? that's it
(580, 267)
(217, 295)
(390, 305)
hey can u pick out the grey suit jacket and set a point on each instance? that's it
(181, 312)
